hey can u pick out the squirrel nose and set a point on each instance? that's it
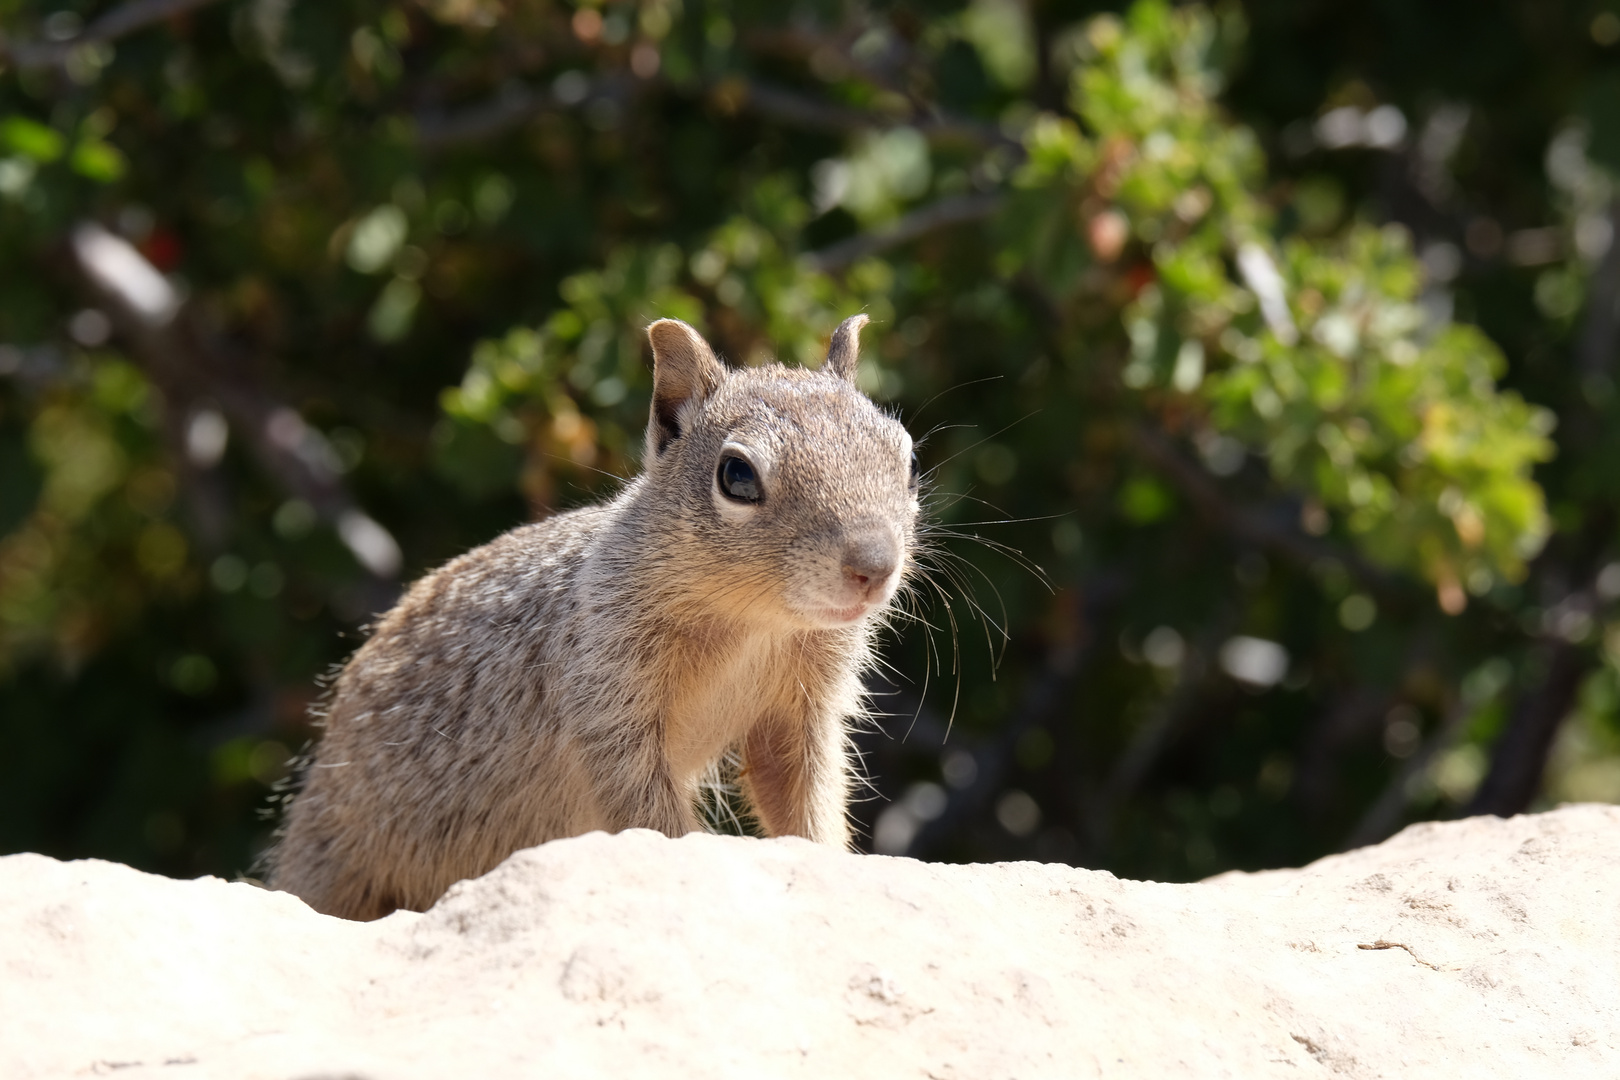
(870, 559)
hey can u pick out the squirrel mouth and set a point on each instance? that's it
(850, 614)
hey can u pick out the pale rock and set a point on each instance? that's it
(1478, 948)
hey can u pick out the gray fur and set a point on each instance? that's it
(587, 671)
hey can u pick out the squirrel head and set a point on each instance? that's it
(800, 493)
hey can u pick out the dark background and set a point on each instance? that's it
(1171, 629)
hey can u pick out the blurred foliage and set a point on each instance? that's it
(1239, 342)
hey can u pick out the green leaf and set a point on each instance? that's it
(98, 161)
(31, 138)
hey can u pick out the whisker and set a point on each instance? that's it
(981, 442)
(959, 386)
(1010, 552)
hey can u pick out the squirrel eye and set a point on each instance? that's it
(916, 468)
(737, 479)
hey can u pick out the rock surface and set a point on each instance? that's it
(1479, 948)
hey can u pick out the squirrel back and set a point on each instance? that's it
(586, 671)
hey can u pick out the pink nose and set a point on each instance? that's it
(870, 560)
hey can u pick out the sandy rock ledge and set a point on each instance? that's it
(1480, 948)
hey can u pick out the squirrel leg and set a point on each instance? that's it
(796, 777)
(633, 787)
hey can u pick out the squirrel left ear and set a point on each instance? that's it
(684, 369)
(844, 352)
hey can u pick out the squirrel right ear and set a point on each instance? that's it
(684, 369)
(844, 351)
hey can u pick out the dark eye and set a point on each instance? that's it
(737, 479)
(916, 469)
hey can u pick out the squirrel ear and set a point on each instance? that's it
(684, 369)
(844, 352)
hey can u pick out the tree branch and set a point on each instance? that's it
(833, 54)
(1383, 817)
(1594, 354)
(1159, 732)
(117, 23)
(1261, 530)
(188, 367)
(952, 210)
(804, 111)
(1519, 758)
(517, 103)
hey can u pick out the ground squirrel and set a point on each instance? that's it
(586, 671)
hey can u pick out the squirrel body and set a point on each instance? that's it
(585, 672)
